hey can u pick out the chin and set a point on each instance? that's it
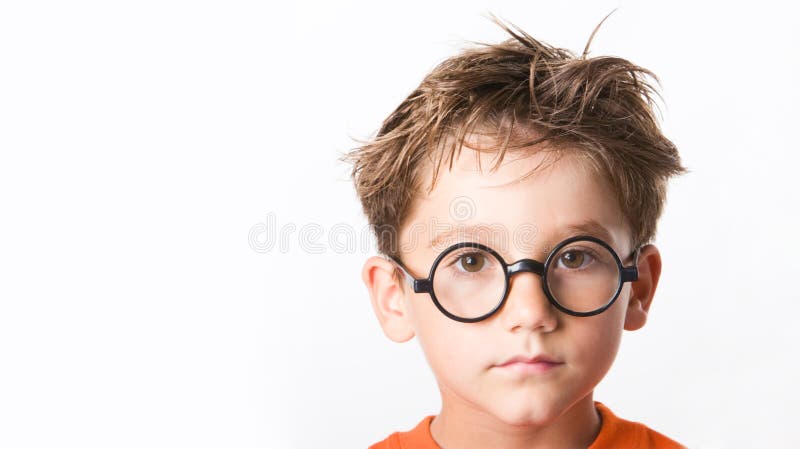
(527, 415)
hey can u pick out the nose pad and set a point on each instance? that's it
(527, 306)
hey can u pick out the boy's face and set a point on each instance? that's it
(535, 214)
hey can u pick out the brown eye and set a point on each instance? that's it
(472, 262)
(572, 259)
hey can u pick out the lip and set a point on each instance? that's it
(530, 365)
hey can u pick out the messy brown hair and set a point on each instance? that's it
(523, 93)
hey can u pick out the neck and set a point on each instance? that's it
(464, 427)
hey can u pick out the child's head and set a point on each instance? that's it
(539, 146)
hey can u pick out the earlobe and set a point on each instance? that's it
(643, 290)
(387, 297)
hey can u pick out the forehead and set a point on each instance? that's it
(528, 204)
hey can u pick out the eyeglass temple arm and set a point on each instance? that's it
(419, 285)
(631, 273)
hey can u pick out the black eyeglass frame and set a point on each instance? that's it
(425, 285)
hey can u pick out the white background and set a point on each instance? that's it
(142, 142)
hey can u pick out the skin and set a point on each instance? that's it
(484, 405)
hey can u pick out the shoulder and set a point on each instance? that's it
(617, 432)
(417, 438)
(391, 442)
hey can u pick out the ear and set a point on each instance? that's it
(643, 290)
(387, 295)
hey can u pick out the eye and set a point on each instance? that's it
(471, 262)
(573, 259)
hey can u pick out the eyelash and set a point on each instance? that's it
(559, 264)
(458, 257)
(586, 252)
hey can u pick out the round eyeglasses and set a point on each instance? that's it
(469, 282)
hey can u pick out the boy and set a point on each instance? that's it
(518, 280)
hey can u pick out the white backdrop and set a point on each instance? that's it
(151, 151)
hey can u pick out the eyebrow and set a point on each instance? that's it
(460, 229)
(586, 227)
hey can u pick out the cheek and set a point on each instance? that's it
(447, 343)
(596, 340)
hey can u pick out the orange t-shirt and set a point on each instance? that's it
(615, 433)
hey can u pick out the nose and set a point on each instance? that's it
(527, 307)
